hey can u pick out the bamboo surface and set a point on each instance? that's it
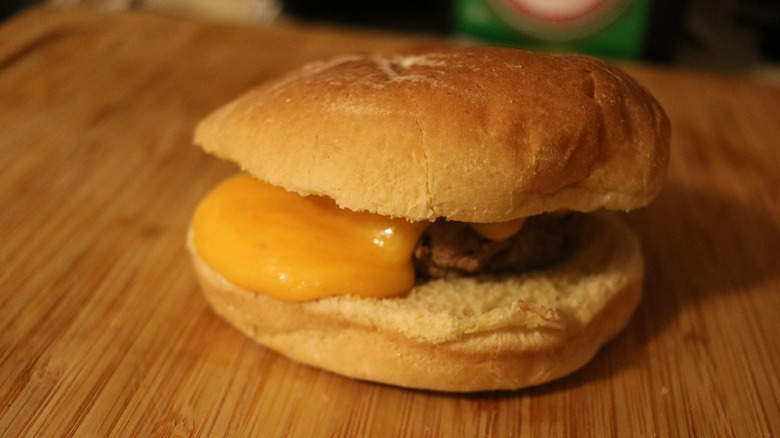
(103, 331)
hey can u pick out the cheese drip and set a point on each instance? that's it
(499, 231)
(295, 248)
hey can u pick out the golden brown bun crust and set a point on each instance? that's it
(475, 134)
(457, 335)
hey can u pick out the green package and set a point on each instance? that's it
(606, 28)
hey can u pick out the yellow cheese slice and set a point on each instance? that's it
(499, 231)
(295, 248)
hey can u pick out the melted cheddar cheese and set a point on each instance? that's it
(499, 231)
(295, 248)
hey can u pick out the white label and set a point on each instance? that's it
(558, 19)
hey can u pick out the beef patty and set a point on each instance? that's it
(454, 249)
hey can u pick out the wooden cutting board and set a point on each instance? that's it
(103, 331)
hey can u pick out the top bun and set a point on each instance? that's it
(470, 134)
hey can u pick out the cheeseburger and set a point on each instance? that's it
(438, 220)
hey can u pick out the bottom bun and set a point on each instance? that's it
(464, 334)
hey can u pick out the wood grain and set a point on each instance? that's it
(103, 331)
